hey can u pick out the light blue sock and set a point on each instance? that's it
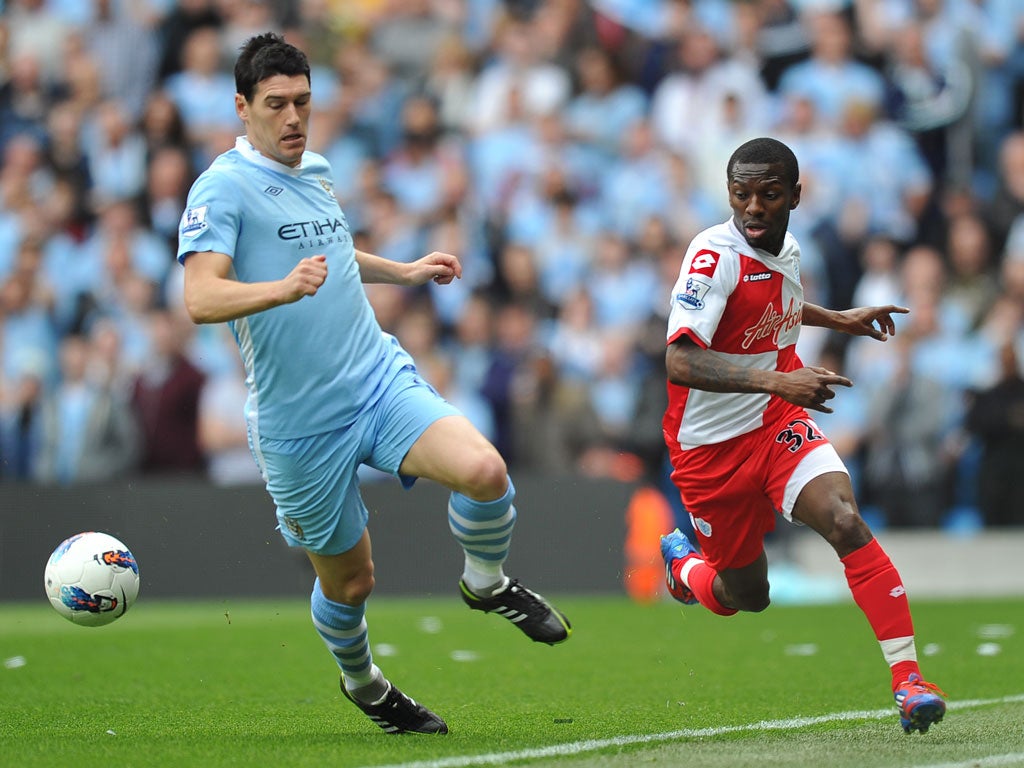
(343, 630)
(484, 529)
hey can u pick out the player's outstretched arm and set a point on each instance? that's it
(689, 365)
(440, 267)
(876, 322)
(212, 296)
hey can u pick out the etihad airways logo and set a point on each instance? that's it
(772, 323)
(300, 229)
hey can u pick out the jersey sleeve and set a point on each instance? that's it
(706, 280)
(212, 217)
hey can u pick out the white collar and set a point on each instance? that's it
(249, 152)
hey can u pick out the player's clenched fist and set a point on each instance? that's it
(305, 278)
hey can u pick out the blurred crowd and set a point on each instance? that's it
(567, 151)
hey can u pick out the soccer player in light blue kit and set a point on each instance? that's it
(266, 248)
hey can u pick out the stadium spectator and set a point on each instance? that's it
(116, 153)
(564, 245)
(500, 158)
(636, 184)
(27, 331)
(847, 425)
(621, 284)
(86, 432)
(973, 286)
(21, 392)
(743, 446)
(613, 395)
(605, 106)
(161, 124)
(929, 99)
(449, 81)
(109, 368)
(875, 201)
(66, 158)
(545, 181)
(879, 281)
(408, 36)
(832, 77)
(425, 174)
(995, 417)
(327, 373)
(165, 397)
(576, 343)
(459, 230)
(174, 29)
(470, 344)
(168, 178)
(909, 421)
(221, 428)
(25, 98)
(688, 105)
(1007, 202)
(516, 67)
(33, 29)
(126, 52)
(82, 83)
(202, 92)
(241, 19)
(518, 280)
(119, 245)
(690, 208)
(390, 229)
(522, 388)
(25, 183)
(376, 96)
(873, 146)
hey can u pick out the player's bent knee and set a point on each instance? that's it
(353, 590)
(752, 600)
(356, 592)
(485, 477)
(849, 531)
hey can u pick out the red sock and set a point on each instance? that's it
(878, 590)
(699, 579)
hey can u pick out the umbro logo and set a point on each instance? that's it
(897, 591)
(273, 191)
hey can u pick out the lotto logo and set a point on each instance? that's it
(704, 262)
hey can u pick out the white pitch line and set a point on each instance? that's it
(1016, 758)
(592, 745)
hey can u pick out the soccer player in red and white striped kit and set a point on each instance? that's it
(742, 443)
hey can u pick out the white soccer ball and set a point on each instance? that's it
(91, 579)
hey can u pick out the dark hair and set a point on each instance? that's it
(766, 150)
(264, 56)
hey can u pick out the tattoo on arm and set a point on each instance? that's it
(690, 366)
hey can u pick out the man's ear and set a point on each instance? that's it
(796, 196)
(241, 107)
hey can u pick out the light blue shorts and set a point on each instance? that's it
(313, 480)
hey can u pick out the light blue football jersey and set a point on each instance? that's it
(313, 364)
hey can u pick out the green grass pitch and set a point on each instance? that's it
(248, 683)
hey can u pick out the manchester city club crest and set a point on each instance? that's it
(327, 186)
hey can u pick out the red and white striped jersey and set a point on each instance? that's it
(744, 305)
